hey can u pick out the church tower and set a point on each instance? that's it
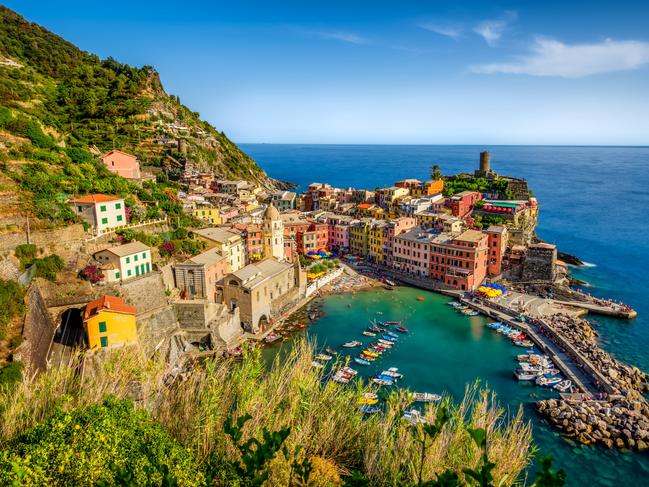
(273, 234)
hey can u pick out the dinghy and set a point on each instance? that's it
(352, 344)
(425, 397)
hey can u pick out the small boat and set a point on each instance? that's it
(382, 382)
(393, 335)
(401, 329)
(272, 338)
(521, 374)
(390, 338)
(352, 344)
(370, 353)
(414, 416)
(425, 397)
(331, 351)
(385, 342)
(371, 395)
(367, 409)
(349, 370)
(317, 365)
(420, 298)
(524, 357)
(471, 313)
(361, 361)
(494, 325)
(455, 304)
(548, 381)
(374, 329)
(523, 343)
(527, 367)
(367, 401)
(392, 373)
(367, 357)
(300, 325)
(291, 328)
(390, 283)
(323, 356)
(340, 379)
(391, 322)
(563, 386)
(386, 377)
(369, 333)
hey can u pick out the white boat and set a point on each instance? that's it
(414, 416)
(370, 395)
(317, 365)
(349, 370)
(369, 333)
(340, 379)
(527, 367)
(390, 373)
(563, 386)
(522, 375)
(425, 397)
(382, 382)
(322, 356)
(352, 344)
(384, 342)
(548, 381)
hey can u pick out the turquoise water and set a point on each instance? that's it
(593, 204)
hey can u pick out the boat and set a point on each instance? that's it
(390, 283)
(371, 395)
(493, 325)
(361, 361)
(300, 325)
(367, 409)
(352, 344)
(563, 386)
(401, 329)
(272, 338)
(391, 322)
(455, 304)
(386, 377)
(382, 382)
(349, 370)
(392, 373)
(548, 381)
(425, 397)
(527, 367)
(374, 329)
(370, 353)
(340, 379)
(367, 357)
(317, 365)
(331, 351)
(420, 298)
(414, 416)
(471, 313)
(385, 343)
(323, 356)
(523, 343)
(390, 338)
(524, 357)
(391, 334)
(367, 401)
(369, 333)
(521, 374)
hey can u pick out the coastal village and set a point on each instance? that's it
(258, 255)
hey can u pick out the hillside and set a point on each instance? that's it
(60, 107)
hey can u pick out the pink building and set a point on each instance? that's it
(228, 213)
(122, 164)
(339, 232)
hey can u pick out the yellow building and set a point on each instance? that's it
(358, 238)
(375, 238)
(109, 322)
(209, 214)
(428, 188)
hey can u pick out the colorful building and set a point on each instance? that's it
(124, 262)
(100, 211)
(209, 214)
(122, 164)
(228, 241)
(196, 278)
(358, 237)
(497, 243)
(109, 322)
(462, 203)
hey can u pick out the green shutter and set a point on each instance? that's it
(104, 221)
(135, 257)
(102, 327)
(148, 267)
(102, 208)
(128, 272)
(116, 274)
(103, 341)
(118, 206)
(119, 218)
(128, 260)
(144, 255)
(137, 271)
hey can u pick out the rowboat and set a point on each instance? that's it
(349, 370)
(366, 401)
(390, 283)
(382, 382)
(390, 373)
(391, 334)
(494, 325)
(390, 338)
(367, 409)
(369, 353)
(455, 304)
(425, 397)
(317, 365)
(352, 344)
(331, 351)
(340, 379)
(471, 313)
(371, 395)
(369, 334)
(391, 322)
(527, 367)
(361, 361)
(523, 343)
(563, 386)
(322, 356)
(521, 374)
(401, 329)
(548, 381)
(420, 298)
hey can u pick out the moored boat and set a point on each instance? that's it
(323, 356)
(382, 382)
(331, 351)
(563, 386)
(392, 373)
(361, 361)
(352, 344)
(272, 338)
(521, 374)
(317, 365)
(425, 397)
(367, 409)
(369, 333)
(546, 381)
(401, 329)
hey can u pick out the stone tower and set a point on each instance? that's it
(485, 165)
(273, 234)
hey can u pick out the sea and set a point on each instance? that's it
(593, 204)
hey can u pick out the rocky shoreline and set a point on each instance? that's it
(619, 419)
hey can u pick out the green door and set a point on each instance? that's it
(148, 267)
(137, 270)
(103, 341)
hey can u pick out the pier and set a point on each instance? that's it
(616, 312)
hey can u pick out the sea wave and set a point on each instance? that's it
(588, 264)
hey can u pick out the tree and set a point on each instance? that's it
(436, 172)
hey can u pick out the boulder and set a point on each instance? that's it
(607, 442)
(641, 445)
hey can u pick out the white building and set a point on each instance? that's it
(102, 212)
(273, 233)
(124, 262)
(228, 242)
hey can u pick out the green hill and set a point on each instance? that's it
(61, 106)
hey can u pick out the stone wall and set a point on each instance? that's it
(323, 281)
(155, 328)
(72, 236)
(146, 292)
(540, 263)
(38, 333)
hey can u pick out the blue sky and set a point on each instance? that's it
(464, 72)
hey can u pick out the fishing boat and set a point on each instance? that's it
(401, 329)
(523, 343)
(331, 351)
(425, 397)
(391, 373)
(390, 338)
(369, 333)
(317, 365)
(371, 395)
(524, 357)
(272, 338)
(471, 313)
(340, 379)
(352, 344)
(370, 353)
(361, 361)
(367, 401)
(546, 381)
(386, 344)
(521, 374)
(420, 298)
(563, 386)
(382, 382)
(367, 409)
(374, 329)
(455, 304)
(494, 325)
(367, 357)
(527, 367)
(323, 356)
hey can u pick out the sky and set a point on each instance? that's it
(400, 72)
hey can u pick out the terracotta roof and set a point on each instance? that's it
(96, 198)
(127, 249)
(117, 150)
(109, 303)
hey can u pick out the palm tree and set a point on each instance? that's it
(436, 172)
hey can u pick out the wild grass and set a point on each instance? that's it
(322, 415)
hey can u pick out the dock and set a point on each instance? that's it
(627, 314)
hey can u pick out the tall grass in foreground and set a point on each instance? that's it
(322, 416)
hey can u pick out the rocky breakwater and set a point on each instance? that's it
(620, 419)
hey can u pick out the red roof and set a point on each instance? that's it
(110, 303)
(365, 206)
(95, 198)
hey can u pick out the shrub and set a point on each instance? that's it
(26, 253)
(11, 301)
(167, 248)
(98, 444)
(91, 273)
(11, 374)
(47, 267)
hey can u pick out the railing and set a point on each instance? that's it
(108, 231)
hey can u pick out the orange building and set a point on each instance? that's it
(109, 322)
(122, 164)
(497, 235)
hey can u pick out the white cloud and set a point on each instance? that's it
(444, 30)
(348, 37)
(550, 57)
(492, 30)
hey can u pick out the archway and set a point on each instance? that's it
(264, 323)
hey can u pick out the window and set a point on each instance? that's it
(116, 274)
(118, 206)
(144, 255)
(102, 208)
(128, 272)
(135, 257)
(103, 341)
(104, 221)
(128, 260)
(102, 327)
(119, 218)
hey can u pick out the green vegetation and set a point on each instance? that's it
(457, 184)
(169, 243)
(242, 423)
(485, 221)
(10, 375)
(11, 303)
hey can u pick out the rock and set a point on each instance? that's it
(630, 442)
(619, 442)
(627, 433)
(641, 445)
(608, 443)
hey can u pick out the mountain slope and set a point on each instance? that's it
(79, 101)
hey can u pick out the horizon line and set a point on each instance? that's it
(621, 146)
